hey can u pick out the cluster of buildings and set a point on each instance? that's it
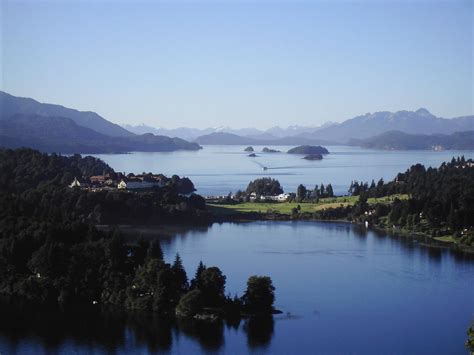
(253, 197)
(120, 182)
(277, 198)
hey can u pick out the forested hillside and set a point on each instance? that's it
(50, 251)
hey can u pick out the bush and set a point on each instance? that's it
(190, 304)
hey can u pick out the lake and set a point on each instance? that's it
(342, 289)
(216, 170)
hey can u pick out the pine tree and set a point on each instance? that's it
(372, 184)
(322, 191)
(329, 191)
(195, 282)
(154, 250)
(180, 274)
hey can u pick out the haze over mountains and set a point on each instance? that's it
(11, 105)
(360, 127)
(258, 134)
(396, 140)
(25, 122)
(48, 127)
(413, 122)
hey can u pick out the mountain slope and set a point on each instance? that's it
(63, 135)
(396, 140)
(11, 105)
(368, 125)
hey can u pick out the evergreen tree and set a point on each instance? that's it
(180, 274)
(154, 250)
(195, 282)
(329, 191)
(372, 184)
(301, 193)
(316, 192)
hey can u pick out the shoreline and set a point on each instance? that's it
(419, 238)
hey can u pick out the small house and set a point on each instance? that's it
(75, 183)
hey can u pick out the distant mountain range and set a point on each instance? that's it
(361, 127)
(193, 133)
(222, 138)
(372, 124)
(396, 140)
(48, 127)
(25, 122)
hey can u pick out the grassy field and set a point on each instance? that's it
(286, 207)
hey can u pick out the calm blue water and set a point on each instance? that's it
(216, 170)
(342, 289)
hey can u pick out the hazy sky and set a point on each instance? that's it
(253, 63)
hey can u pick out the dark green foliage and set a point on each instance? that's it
(24, 169)
(36, 184)
(329, 191)
(212, 285)
(197, 276)
(300, 193)
(441, 199)
(180, 274)
(470, 338)
(190, 304)
(50, 251)
(259, 296)
(154, 250)
(304, 195)
(265, 187)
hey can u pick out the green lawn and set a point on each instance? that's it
(286, 207)
(446, 238)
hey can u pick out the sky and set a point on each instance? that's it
(240, 64)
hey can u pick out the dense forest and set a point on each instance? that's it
(37, 184)
(51, 252)
(439, 202)
(441, 198)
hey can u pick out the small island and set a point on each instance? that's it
(313, 157)
(308, 150)
(252, 155)
(268, 150)
(249, 149)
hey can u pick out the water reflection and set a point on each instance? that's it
(113, 329)
(329, 274)
(259, 331)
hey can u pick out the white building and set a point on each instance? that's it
(283, 197)
(75, 183)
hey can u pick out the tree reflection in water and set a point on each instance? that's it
(259, 331)
(110, 329)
